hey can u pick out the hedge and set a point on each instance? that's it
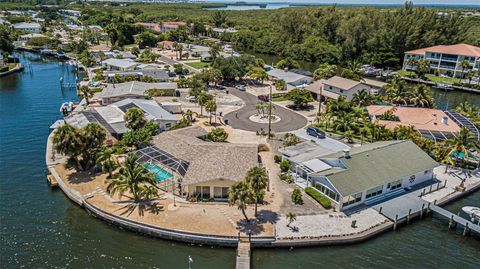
(320, 198)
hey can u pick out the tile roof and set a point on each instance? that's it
(208, 160)
(457, 49)
(374, 164)
(420, 118)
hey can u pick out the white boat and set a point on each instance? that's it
(66, 107)
(473, 212)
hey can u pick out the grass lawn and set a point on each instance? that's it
(438, 79)
(279, 99)
(199, 65)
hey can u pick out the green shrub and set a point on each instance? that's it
(284, 166)
(3, 68)
(297, 196)
(320, 198)
(277, 158)
(286, 177)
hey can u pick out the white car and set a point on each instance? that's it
(191, 99)
(240, 87)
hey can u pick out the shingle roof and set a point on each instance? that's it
(374, 164)
(122, 63)
(134, 88)
(341, 83)
(208, 160)
(457, 49)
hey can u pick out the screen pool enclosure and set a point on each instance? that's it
(154, 159)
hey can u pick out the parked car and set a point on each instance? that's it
(263, 97)
(191, 99)
(240, 87)
(172, 74)
(316, 132)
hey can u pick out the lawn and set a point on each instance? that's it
(438, 79)
(198, 65)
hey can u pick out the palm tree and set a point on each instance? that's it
(240, 194)
(257, 179)
(134, 118)
(202, 100)
(93, 136)
(134, 178)
(261, 106)
(362, 98)
(463, 108)
(215, 50)
(291, 217)
(421, 96)
(188, 116)
(413, 63)
(86, 93)
(66, 140)
(464, 65)
(210, 107)
(462, 142)
(402, 132)
(442, 155)
(104, 158)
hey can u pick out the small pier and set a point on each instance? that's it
(243, 253)
(52, 182)
(455, 219)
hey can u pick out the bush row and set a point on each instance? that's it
(320, 198)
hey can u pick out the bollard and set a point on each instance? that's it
(395, 223)
(380, 211)
(444, 185)
(435, 202)
(465, 230)
(354, 224)
(421, 211)
(430, 189)
(428, 207)
(408, 216)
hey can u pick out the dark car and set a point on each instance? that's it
(172, 74)
(263, 97)
(314, 131)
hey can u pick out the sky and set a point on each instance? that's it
(419, 2)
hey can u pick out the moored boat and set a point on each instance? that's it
(473, 212)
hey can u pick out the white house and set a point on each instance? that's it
(371, 172)
(133, 89)
(114, 64)
(30, 27)
(292, 79)
(336, 86)
(446, 60)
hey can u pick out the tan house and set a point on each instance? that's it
(205, 169)
(336, 86)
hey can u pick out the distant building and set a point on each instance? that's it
(30, 36)
(430, 123)
(133, 89)
(70, 12)
(163, 27)
(29, 27)
(446, 60)
(369, 173)
(336, 86)
(111, 117)
(292, 79)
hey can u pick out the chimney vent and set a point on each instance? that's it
(445, 120)
(346, 153)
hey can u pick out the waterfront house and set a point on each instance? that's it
(114, 64)
(430, 123)
(371, 173)
(112, 117)
(159, 75)
(205, 169)
(446, 60)
(336, 86)
(132, 89)
(167, 26)
(29, 27)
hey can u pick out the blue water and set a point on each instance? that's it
(41, 228)
(158, 172)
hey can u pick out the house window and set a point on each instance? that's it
(168, 125)
(395, 185)
(352, 199)
(330, 87)
(202, 191)
(374, 192)
(341, 91)
(220, 192)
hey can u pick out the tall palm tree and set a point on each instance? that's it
(257, 179)
(202, 100)
(134, 118)
(134, 178)
(362, 98)
(66, 141)
(210, 107)
(104, 158)
(463, 108)
(462, 142)
(421, 96)
(464, 65)
(93, 136)
(188, 116)
(442, 155)
(291, 217)
(240, 194)
(86, 93)
(413, 63)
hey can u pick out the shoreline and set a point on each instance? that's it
(222, 240)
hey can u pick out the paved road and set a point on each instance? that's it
(172, 62)
(239, 119)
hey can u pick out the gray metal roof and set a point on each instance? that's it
(153, 111)
(121, 63)
(287, 75)
(134, 88)
(157, 74)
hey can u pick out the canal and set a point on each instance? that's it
(41, 228)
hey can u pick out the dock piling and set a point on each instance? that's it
(408, 216)
(395, 223)
(465, 230)
(421, 211)
(450, 222)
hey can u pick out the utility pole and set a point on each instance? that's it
(320, 100)
(270, 113)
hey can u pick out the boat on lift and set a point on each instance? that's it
(473, 212)
(66, 107)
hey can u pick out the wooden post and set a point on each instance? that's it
(428, 208)
(435, 202)
(465, 230)
(421, 211)
(450, 222)
(395, 223)
(380, 211)
(445, 184)
(408, 216)
(430, 189)
(423, 192)
(438, 185)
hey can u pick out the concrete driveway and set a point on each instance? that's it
(327, 142)
(289, 120)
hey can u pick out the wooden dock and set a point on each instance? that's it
(243, 253)
(455, 219)
(52, 181)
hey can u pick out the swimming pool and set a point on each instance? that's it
(159, 174)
